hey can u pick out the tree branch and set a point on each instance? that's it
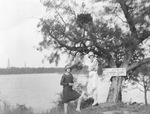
(140, 89)
(59, 15)
(118, 16)
(148, 79)
(130, 2)
(137, 88)
(129, 18)
(70, 48)
(144, 35)
(138, 64)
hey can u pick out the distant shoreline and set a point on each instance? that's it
(40, 70)
(16, 70)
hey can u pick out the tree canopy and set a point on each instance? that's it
(114, 30)
(116, 34)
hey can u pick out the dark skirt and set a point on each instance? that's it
(69, 94)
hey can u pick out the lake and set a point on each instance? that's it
(36, 90)
(40, 90)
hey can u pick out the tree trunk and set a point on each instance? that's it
(115, 90)
(145, 95)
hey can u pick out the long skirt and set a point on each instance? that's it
(92, 82)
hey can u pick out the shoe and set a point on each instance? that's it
(95, 104)
(78, 110)
(65, 113)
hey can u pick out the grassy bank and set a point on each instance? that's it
(103, 108)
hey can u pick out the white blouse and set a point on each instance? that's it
(93, 65)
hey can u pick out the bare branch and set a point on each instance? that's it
(137, 88)
(140, 84)
(140, 89)
(59, 14)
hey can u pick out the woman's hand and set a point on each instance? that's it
(70, 84)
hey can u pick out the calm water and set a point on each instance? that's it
(40, 90)
(36, 90)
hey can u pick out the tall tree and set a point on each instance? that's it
(116, 34)
(141, 77)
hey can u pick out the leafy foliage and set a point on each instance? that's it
(112, 41)
(115, 34)
(83, 19)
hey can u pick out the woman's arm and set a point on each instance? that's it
(94, 65)
(62, 82)
(71, 83)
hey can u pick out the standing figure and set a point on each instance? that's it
(93, 78)
(68, 93)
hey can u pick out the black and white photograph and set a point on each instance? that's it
(74, 56)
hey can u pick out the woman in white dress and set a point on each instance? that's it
(92, 87)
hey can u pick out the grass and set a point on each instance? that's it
(103, 108)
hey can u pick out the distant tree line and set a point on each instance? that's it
(28, 70)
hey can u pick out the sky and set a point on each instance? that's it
(19, 34)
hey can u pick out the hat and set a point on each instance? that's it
(90, 54)
(67, 67)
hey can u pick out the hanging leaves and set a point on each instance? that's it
(83, 19)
